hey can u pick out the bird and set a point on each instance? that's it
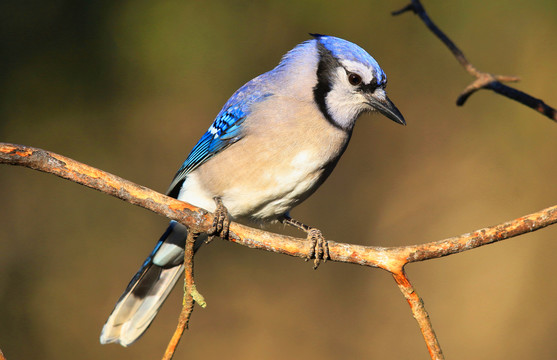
(274, 142)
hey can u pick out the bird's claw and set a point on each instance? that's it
(319, 249)
(319, 246)
(221, 222)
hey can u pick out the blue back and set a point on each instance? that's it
(225, 130)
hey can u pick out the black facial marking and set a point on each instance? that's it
(369, 88)
(327, 64)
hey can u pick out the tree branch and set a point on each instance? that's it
(420, 314)
(188, 301)
(392, 259)
(483, 80)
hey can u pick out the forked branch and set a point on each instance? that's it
(483, 80)
(392, 259)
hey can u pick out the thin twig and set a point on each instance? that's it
(392, 259)
(420, 314)
(483, 80)
(188, 301)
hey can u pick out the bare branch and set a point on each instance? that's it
(483, 80)
(188, 302)
(420, 314)
(389, 258)
(392, 259)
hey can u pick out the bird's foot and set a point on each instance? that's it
(221, 222)
(319, 246)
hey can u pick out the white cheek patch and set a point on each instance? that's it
(343, 103)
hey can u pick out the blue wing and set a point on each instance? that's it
(225, 131)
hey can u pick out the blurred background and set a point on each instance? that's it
(130, 86)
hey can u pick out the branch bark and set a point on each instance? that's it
(392, 259)
(188, 301)
(420, 314)
(483, 80)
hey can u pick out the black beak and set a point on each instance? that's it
(386, 107)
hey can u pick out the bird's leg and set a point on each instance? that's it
(319, 248)
(221, 221)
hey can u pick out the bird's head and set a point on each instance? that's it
(349, 82)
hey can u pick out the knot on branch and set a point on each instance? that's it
(483, 81)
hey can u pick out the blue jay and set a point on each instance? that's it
(271, 146)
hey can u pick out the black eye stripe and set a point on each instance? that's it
(371, 87)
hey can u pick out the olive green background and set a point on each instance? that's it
(129, 87)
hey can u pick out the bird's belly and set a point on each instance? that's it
(269, 192)
(262, 192)
(274, 193)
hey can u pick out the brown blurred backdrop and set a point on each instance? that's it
(129, 87)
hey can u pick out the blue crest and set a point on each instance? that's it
(345, 50)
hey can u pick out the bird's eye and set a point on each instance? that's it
(354, 79)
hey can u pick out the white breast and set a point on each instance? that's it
(283, 158)
(290, 184)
